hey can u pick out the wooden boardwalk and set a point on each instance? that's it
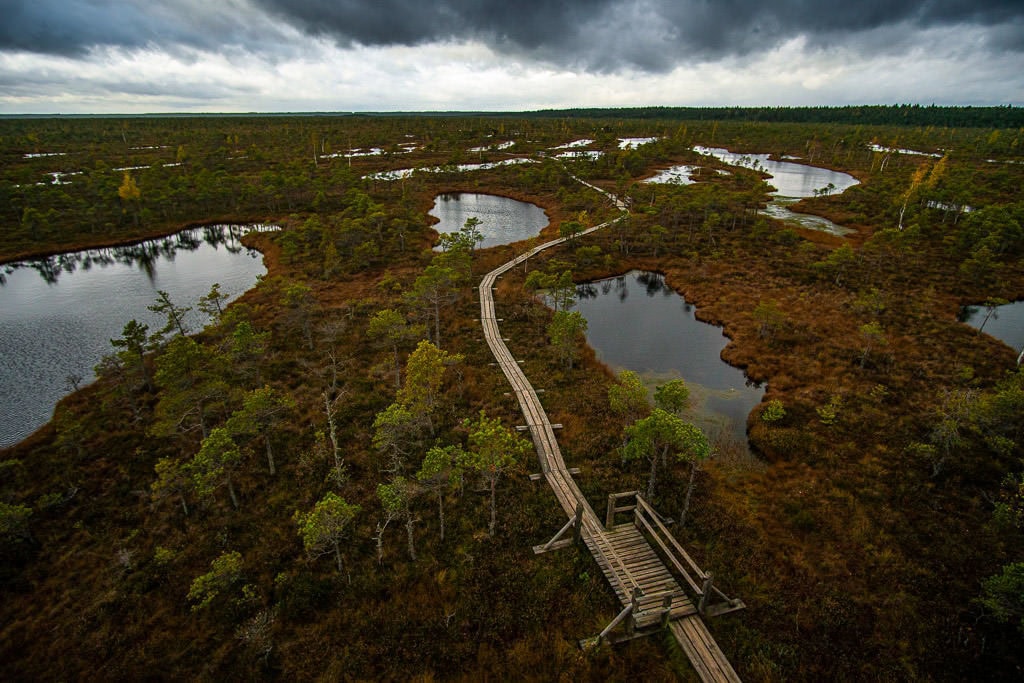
(650, 595)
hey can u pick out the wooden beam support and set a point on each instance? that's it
(555, 543)
(551, 547)
(634, 607)
(537, 476)
(626, 611)
(721, 608)
(705, 591)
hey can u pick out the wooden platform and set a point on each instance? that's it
(649, 571)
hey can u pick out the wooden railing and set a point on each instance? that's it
(711, 601)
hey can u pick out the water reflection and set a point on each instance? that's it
(677, 175)
(792, 182)
(502, 220)
(141, 256)
(779, 209)
(639, 323)
(789, 179)
(633, 143)
(1005, 323)
(59, 314)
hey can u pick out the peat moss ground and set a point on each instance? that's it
(845, 535)
(100, 593)
(854, 560)
(844, 539)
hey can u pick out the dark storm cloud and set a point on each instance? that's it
(72, 27)
(67, 27)
(648, 34)
(530, 23)
(597, 35)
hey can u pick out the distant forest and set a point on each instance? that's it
(875, 115)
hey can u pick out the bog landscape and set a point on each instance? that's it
(596, 394)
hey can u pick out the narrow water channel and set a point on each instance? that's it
(792, 182)
(58, 314)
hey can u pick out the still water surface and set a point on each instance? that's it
(636, 322)
(58, 315)
(791, 181)
(502, 220)
(1006, 324)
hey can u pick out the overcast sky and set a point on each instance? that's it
(134, 56)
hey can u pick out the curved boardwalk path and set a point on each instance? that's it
(636, 573)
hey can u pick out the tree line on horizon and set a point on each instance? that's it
(1007, 116)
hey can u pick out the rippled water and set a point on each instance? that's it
(502, 220)
(636, 322)
(58, 315)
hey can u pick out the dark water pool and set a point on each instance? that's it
(1005, 324)
(502, 220)
(58, 314)
(636, 322)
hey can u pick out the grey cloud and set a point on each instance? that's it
(594, 35)
(91, 90)
(1008, 37)
(526, 23)
(67, 27)
(650, 35)
(73, 27)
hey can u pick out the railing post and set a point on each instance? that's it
(638, 513)
(631, 619)
(705, 591)
(578, 524)
(609, 518)
(666, 607)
